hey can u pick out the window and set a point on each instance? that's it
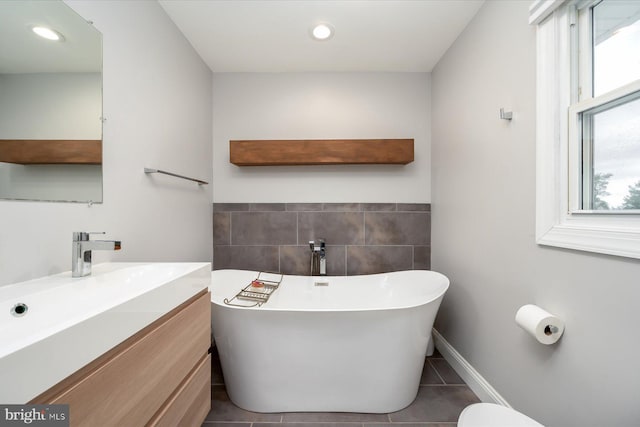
(610, 154)
(608, 123)
(588, 125)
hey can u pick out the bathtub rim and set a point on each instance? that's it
(265, 307)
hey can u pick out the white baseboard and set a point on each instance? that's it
(474, 380)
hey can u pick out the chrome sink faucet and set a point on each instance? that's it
(81, 251)
(318, 258)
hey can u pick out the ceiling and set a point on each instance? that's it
(274, 35)
(21, 51)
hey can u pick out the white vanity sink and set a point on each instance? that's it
(71, 321)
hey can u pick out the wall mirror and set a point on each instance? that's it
(50, 103)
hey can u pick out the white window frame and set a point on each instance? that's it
(559, 222)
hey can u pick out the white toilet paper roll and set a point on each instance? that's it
(544, 326)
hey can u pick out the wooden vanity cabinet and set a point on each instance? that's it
(161, 376)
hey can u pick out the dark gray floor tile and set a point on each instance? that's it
(436, 403)
(333, 417)
(411, 425)
(436, 354)
(216, 371)
(429, 375)
(222, 409)
(308, 425)
(223, 424)
(446, 371)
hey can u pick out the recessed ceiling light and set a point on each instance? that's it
(322, 32)
(48, 33)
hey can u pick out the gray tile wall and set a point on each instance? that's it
(361, 238)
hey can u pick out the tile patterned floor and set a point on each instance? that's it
(441, 398)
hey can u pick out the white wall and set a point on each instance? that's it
(51, 106)
(483, 223)
(51, 182)
(157, 101)
(321, 106)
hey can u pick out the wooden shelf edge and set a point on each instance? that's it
(51, 151)
(320, 152)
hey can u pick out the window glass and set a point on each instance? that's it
(611, 157)
(616, 44)
(611, 131)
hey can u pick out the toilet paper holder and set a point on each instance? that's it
(540, 324)
(550, 330)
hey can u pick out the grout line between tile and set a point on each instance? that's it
(331, 422)
(413, 257)
(346, 266)
(436, 371)
(364, 228)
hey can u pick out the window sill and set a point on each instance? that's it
(623, 241)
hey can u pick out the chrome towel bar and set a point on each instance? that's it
(200, 182)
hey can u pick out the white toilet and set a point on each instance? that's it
(492, 415)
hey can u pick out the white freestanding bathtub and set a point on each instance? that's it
(356, 344)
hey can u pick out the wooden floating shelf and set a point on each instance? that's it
(320, 152)
(51, 151)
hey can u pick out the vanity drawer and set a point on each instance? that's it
(190, 404)
(128, 386)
